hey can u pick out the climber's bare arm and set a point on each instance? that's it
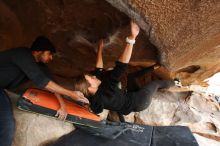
(99, 59)
(126, 55)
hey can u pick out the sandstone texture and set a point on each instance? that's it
(186, 33)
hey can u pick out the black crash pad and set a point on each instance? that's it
(145, 136)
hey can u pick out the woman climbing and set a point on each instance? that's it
(104, 93)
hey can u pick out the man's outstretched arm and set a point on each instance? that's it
(76, 95)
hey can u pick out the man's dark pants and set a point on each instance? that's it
(7, 122)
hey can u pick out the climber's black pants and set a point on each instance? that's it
(7, 122)
(141, 97)
(132, 78)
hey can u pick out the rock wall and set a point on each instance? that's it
(185, 32)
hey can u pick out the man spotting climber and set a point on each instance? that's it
(17, 66)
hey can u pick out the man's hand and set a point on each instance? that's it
(77, 95)
(61, 114)
(134, 30)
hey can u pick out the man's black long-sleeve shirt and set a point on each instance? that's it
(17, 66)
(108, 95)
